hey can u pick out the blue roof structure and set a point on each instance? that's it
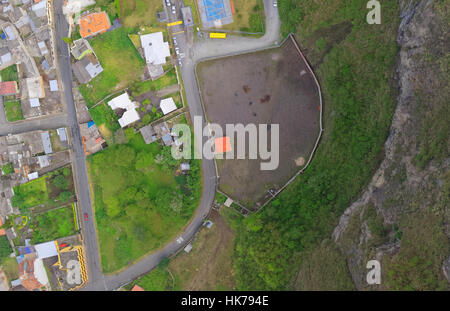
(90, 123)
(215, 9)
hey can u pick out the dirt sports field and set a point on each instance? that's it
(272, 87)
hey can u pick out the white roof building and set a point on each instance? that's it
(53, 85)
(62, 134)
(33, 175)
(45, 250)
(123, 102)
(6, 58)
(167, 105)
(40, 8)
(10, 33)
(34, 102)
(45, 136)
(94, 70)
(42, 47)
(155, 49)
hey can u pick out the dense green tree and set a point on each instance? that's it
(60, 182)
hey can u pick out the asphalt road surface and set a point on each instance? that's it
(194, 53)
(79, 160)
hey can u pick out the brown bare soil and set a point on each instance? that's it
(268, 87)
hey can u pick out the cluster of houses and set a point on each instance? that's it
(53, 256)
(29, 155)
(27, 41)
(87, 66)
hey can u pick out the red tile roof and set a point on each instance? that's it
(8, 88)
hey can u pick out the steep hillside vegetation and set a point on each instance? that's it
(354, 62)
(403, 218)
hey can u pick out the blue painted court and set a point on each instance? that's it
(214, 9)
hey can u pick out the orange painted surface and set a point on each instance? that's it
(94, 23)
(83, 139)
(25, 170)
(232, 7)
(222, 144)
(137, 288)
(2, 231)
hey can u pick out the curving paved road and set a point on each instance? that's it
(195, 53)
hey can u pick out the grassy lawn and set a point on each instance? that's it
(135, 13)
(249, 16)
(110, 6)
(8, 168)
(11, 268)
(52, 225)
(220, 198)
(9, 73)
(34, 193)
(140, 203)
(56, 141)
(51, 190)
(13, 110)
(158, 279)
(7, 264)
(122, 65)
(142, 87)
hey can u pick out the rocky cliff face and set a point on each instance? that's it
(402, 219)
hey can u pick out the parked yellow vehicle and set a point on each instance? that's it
(217, 35)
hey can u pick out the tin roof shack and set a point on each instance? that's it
(185, 167)
(44, 88)
(87, 68)
(6, 58)
(149, 134)
(38, 14)
(40, 46)
(32, 152)
(91, 137)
